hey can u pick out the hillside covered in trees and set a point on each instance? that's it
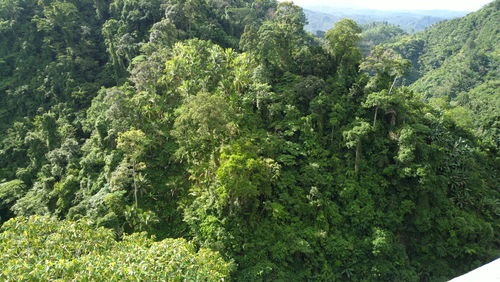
(218, 140)
(455, 64)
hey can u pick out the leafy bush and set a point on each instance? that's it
(43, 248)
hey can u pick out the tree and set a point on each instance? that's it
(354, 139)
(203, 124)
(342, 42)
(386, 65)
(59, 17)
(134, 143)
(276, 42)
(387, 68)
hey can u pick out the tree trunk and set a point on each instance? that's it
(375, 117)
(393, 113)
(392, 86)
(135, 185)
(358, 157)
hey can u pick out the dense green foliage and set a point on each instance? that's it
(456, 63)
(468, 43)
(43, 248)
(225, 123)
(378, 33)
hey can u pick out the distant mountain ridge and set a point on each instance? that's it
(322, 18)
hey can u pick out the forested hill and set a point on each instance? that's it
(218, 140)
(374, 34)
(457, 61)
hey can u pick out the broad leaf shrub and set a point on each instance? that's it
(43, 248)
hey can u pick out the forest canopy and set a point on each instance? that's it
(218, 140)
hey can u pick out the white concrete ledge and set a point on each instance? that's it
(487, 273)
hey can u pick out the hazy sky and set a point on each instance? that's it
(456, 5)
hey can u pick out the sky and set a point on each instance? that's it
(455, 5)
